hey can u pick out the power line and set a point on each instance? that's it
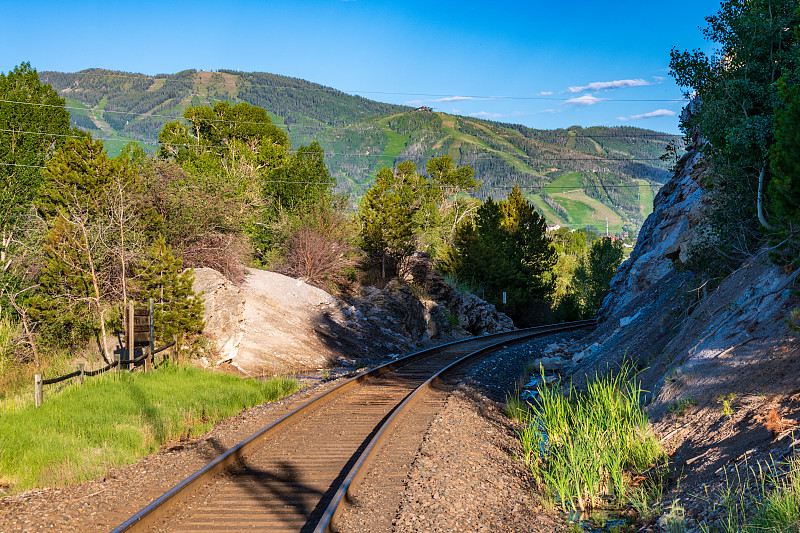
(352, 154)
(557, 133)
(326, 89)
(429, 186)
(141, 114)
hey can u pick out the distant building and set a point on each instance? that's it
(554, 228)
(423, 108)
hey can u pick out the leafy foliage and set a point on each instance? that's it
(506, 249)
(361, 136)
(18, 184)
(178, 310)
(387, 213)
(605, 256)
(405, 211)
(736, 96)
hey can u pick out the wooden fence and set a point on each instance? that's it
(138, 328)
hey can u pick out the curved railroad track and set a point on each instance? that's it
(298, 473)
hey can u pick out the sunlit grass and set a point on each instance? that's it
(116, 418)
(590, 447)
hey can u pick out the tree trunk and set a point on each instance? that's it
(761, 213)
(96, 287)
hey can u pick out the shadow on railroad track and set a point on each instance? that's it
(282, 481)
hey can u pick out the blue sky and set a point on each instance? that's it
(543, 64)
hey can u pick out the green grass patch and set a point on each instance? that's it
(116, 418)
(758, 499)
(645, 197)
(589, 447)
(573, 180)
(395, 143)
(551, 216)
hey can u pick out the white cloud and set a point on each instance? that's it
(455, 99)
(463, 98)
(551, 111)
(608, 85)
(651, 114)
(545, 93)
(451, 99)
(486, 114)
(584, 100)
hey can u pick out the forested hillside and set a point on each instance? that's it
(579, 177)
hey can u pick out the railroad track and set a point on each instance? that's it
(298, 473)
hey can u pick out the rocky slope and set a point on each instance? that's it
(272, 324)
(716, 356)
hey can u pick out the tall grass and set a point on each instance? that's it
(589, 447)
(759, 501)
(116, 418)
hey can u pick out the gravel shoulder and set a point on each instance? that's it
(465, 474)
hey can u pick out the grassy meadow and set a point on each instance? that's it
(116, 418)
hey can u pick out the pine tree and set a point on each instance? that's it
(178, 309)
(73, 201)
(387, 214)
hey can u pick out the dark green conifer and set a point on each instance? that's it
(178, 309)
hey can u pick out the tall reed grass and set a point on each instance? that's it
(114, 419)
(759, 500)
(591, 448)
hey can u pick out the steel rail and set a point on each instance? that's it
(327, 522)
(161, 505)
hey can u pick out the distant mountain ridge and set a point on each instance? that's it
(576, 176)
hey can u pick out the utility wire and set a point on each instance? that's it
(545, 133)
(429, 186)
(326, 89)
(344, 154)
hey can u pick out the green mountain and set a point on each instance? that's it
(576, 176)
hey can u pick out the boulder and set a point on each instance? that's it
(549, 364)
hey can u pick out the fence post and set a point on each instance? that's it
(118, 359)
(130, 333)
(174, 349)
(148, 362)
(38, 390)
(151, 357)
(80, 376)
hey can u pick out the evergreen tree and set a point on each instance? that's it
(387, 214)
(303, 182)
(29, 112)
(178, 309)
(20, 150)
(73, 200)
(506, 249)
(605, 256)
(735, 97)
(785, 158)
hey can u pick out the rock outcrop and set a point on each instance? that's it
(667, 234)
(272, 323)
(471, 312)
